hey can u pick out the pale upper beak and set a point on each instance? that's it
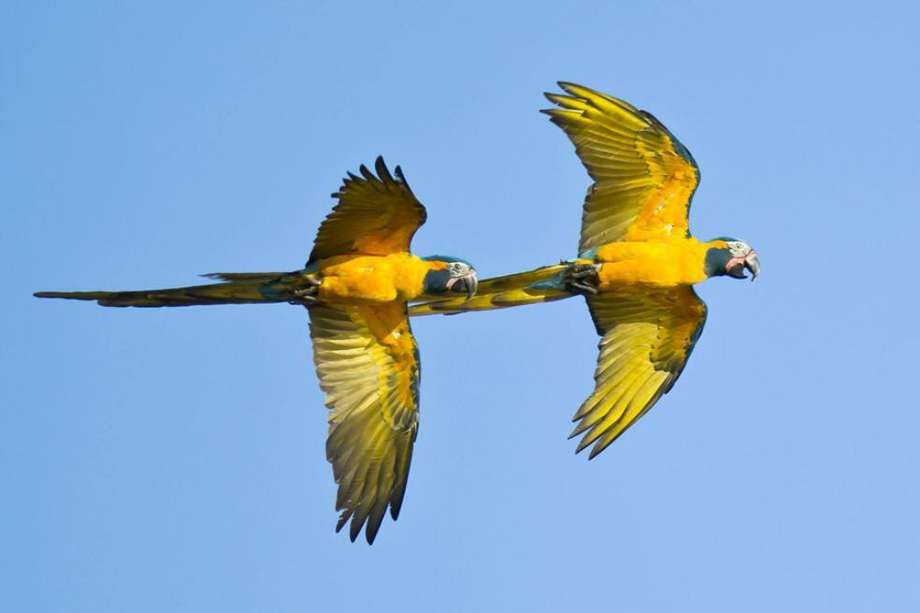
(736, 266)
(753, 264)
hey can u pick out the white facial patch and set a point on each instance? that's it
(739, 249)
(458, 269)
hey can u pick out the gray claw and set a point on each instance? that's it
(582, 278)
(587, 273)
(584, 287)
(309, 294)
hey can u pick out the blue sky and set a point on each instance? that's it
(172, 460)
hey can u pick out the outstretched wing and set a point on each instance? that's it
(647, 337)
(644, 178)
(368, 366)
(376, 215)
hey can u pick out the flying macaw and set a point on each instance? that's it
(637, 261)
(355, 286)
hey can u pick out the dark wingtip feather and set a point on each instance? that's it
(355, 528)
(373, 527)
(343, 519)
(596, 450)
(382, 171)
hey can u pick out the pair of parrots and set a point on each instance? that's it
(636, 266)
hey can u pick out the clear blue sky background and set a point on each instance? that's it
(172, 460)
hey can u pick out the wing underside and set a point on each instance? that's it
(647, 336)
(644, 178)
(376, 215)
(367, 362)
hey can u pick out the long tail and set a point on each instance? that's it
(539, 285)
(237, 288)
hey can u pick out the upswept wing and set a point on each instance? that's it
(368, 366)
(644, 178)
(647, 337)
(376, 215)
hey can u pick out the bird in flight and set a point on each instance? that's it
(637, 261)
(356, 287)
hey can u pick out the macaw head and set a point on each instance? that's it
(450, 275)
(730, 256)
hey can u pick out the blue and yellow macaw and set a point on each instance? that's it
(356, 286)
(637, 262)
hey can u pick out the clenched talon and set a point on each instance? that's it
(590, 289)
(310, 293)
(582, 278)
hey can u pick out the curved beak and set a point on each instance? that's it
(468, 283)
(471, 282)
(753, 264)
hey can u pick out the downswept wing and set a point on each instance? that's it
(647, 337)
(376, 215)
(368, 366)
(644, 178)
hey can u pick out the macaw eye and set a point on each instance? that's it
(738, 248)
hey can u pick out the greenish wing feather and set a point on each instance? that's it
(367, 362)
(647, 336)
(644, 178)
(376, 215)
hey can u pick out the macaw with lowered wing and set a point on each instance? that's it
(356, 286)
(637, 261)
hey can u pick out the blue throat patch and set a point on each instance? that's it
(436, 281)
(716, 259)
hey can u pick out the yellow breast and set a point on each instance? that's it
(664, 263)
(361, 279)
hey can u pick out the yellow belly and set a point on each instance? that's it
(656, 263)
(363, 279)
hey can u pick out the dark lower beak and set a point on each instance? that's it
(470, 283)
(737, 271)
(753, 264)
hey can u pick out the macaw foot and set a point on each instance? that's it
(582, 278)
(309, 293)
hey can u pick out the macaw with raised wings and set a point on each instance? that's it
(356, 286)
(637, 261)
